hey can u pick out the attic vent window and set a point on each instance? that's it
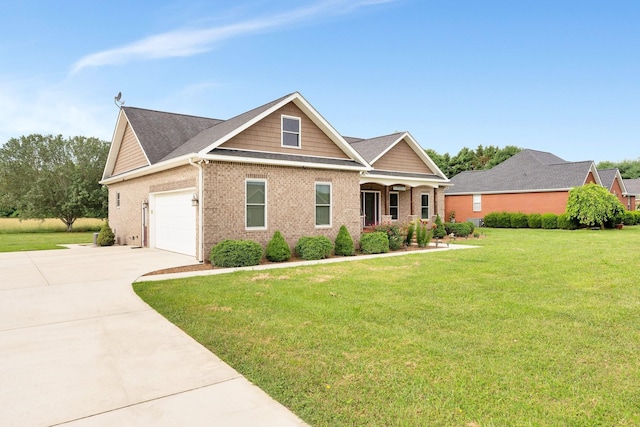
(290, 132)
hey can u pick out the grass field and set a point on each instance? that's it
(50, 225)
(16, 242)
(535, 328)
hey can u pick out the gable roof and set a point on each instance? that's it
(632, 186)
(526, 171)
(373, 149)
(171, 139)
(608, 178)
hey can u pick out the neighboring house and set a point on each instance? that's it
(184, 183)
(633, 190)
(612, 181)
(530, 182)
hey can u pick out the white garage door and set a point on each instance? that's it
(173, 222)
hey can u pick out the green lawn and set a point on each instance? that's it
(15, 242)
(535, 328)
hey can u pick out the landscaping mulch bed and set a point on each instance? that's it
(207, 265)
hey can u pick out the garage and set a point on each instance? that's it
(173, 222)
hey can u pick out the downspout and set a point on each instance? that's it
(200, 208)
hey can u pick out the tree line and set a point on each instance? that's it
(53, 177)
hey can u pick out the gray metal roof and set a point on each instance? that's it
(371, 148)
(528, 170)
(161, 133)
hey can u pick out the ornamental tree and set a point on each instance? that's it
(593, 205)
(52, 177)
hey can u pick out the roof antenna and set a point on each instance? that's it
(116, 100)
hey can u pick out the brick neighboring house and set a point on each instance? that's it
(530, 182)
(183, 183)
(633, 191)
(612, 181)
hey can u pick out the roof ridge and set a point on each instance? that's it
(168, 112)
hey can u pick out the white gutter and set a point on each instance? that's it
(200, 208)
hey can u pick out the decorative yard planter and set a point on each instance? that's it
(619, 226)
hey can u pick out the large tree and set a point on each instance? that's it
(593, 205)
(468, 159)
(53, 177)
(629, 169)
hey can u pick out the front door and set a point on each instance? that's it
(371, 207)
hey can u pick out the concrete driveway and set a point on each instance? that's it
(79, 348)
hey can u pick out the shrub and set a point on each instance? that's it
(519, 220)
(439, 232)
(411, 229)
(374, 243)
(504, 220)
(471, 226)
(277, 249)
(314, 247)
(236, 253)
(535, 220)
(460, 229)
(636, 216)
(549, 221)
(394, 233)
(593, 205)
(106, 236)
(628, 218)
(565, 222)
(423, 234)
(491, 220)
(344, 243)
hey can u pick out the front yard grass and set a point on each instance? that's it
(536, 328)
(16, 242)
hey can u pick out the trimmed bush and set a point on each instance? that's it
(503, 220)
(277, 249)
(236, 253)
(636, 215)
(565, 222)
(106, 236)
(535, 220)
(491, 220)
(374, 243)
(394, 233)
(344, 243)
(439, 232)
(628, 218)
(423, 234)
(471, 226)
(314, 247)
(549, 221)
(519, 220)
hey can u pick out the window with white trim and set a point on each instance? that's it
(424, 206)
(323, 204)
(290, 131)
(477, 202)
(256, 204)
(394, 197)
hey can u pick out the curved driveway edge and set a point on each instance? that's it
(78, 347)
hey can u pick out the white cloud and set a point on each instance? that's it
(189, 42)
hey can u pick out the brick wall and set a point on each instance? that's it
(290, 202)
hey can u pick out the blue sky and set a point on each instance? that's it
(558, 76)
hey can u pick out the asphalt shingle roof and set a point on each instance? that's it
(632, 186)
(528, 170)
(161, 133)
(283, 157)
(607, 176)
(371, 148)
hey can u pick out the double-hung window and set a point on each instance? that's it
(424, 206)
(323, 204)
(256, 204)
(117, 199)
(291, 132)
(393, 205)
(477, 202)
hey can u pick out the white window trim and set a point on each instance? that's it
(282, 131)
(377, 199)
(396, 206)
(266, 193)
(476, 199)
(428, 206)
(315, 205)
